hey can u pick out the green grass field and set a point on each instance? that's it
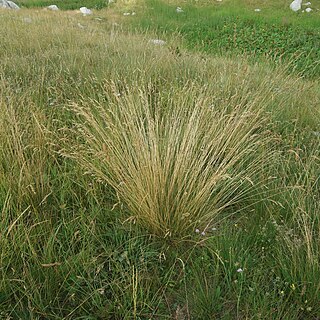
(234, 28)
(146, 181)
(64, 5)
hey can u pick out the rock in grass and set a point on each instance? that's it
(4, 4)
(12, 5)
(179, 10)
(8, 5)
(53, 7)
(85, 11)
(295, 5)
(308, 10)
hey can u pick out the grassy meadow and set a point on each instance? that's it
(146, 181)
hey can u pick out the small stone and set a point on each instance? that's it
(308, 10)
(295, 5)
(53, 7)
(179, 10)
(12, 5)
(8, 5)
(85, 11)
(257, 10)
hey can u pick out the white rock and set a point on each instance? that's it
(157, 42)
(295, 5)
(307, 4)
(8, 4)
(85, 11)
(257, 10)
(12, 5)
(179, 10)
(308, 10)
(4, 4)
(133, 13)
(126, 14)
(53, 7)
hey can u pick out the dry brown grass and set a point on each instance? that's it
(175, 160)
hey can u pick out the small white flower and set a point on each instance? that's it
(214, 229)
(203, 233)
(101, 291)
(197, 230)
(240, 270)
(157, 42)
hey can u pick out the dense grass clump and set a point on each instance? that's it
(176, 160)
(144, 182)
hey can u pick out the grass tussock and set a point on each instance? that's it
(177, 161)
